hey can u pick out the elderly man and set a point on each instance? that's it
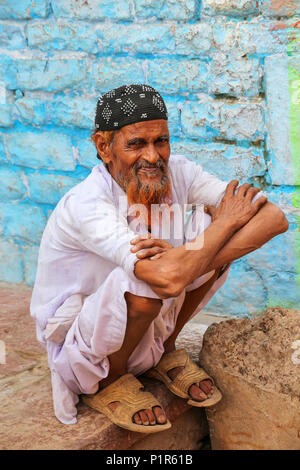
(114, 288)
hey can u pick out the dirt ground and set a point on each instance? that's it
(262, 350)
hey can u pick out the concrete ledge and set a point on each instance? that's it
(28, 420)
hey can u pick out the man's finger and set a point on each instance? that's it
(149, 252)
(242, 190)
(140, 245)
(149, 243)
(145, 236)
(210, 210)
(231, 187)
(259, 203)
(252, 191)
(159, 255)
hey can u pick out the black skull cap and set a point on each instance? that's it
(129, 104)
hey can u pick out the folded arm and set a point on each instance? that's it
(238, 227)
(269, 222)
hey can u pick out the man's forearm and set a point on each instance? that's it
(266, 224)
(221, 244)
(168, 275)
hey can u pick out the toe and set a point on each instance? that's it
(151, 417)
(159, 415)
(137, 419)
(206, 386)
(144, 418)
(196, 393)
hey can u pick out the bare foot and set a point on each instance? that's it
(198, 392)
(145, 417)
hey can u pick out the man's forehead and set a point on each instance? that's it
(157, 126)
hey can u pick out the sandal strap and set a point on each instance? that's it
(191, 373)
(177, 358)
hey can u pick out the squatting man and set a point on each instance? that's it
(111, 293)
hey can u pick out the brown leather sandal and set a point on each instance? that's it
(191, 374)
(127, 391)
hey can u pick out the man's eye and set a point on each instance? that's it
(135, 144)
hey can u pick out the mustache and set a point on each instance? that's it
(144, 164)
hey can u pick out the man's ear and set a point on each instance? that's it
(103, 147)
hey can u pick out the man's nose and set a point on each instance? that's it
(151, 155)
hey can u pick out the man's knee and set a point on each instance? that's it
(142, 306)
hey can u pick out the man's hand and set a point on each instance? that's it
(148, 247)
(237, 206)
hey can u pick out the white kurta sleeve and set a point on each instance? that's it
(205, 188)
(95, 224)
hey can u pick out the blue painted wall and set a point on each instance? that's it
(222, 68)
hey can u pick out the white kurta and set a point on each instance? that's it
(84, 268)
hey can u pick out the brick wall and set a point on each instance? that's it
(229, 71)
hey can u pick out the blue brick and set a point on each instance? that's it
(242, 295)
(235, 76)
(230, 7)
(6, 107)
(11, 268)
(225, 36)
(276, 265)
(276, 255)
(60, 110)
(91, 9)
(174, 109)
(239, 120)
(8, 72)
(87, 153)
(265, 37)
(101, 37)
(43, 74)
(275, 8)
(136, 38)
(3, 157)
(23, 9)
(62, 34)
(275, 262)
(193, 39)
(33, 108)
(12, 36)
(111, 72)
(50, 150)
(278, 123)
(49, 189)
(30, 257)
(227, 162)
(166, 9)
(12, 184)
(23, 221)
(175, 76)
(283, 289)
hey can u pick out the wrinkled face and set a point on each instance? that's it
(138, 160)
